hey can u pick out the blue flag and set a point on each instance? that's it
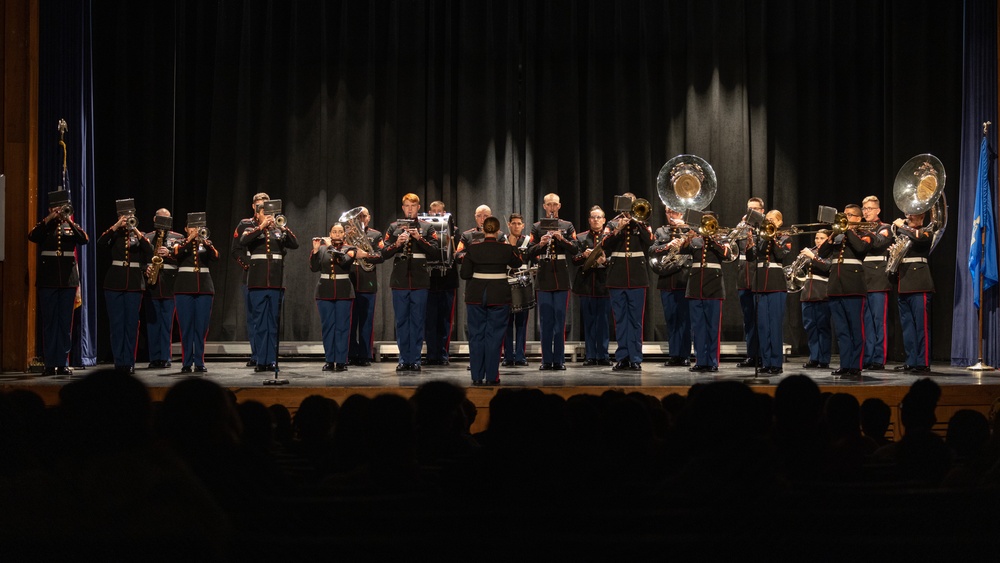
(983, 250)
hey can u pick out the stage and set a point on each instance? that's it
(960, 388)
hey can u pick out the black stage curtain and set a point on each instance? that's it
(331, 105)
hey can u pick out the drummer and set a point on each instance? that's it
(517, 325)
(590, 285)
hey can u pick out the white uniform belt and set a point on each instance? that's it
(874, 259)
(479, 276)
(123, 263)
(56, 252)
(192, 269)
(742, 257)
(557, 257)
(265, 256)
(628, 255)
(820, 278)
(769, 264)
(915, 259)
(706, 265)
(168, 266)
(851, 261)
(418, 255)
(335, 277)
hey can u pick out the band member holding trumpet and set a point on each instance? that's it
(915, 287)
(334, 294)
(816, 304)
(124, 283)
(267, 242)
(517, 327)
(242, 257)
(628, 277)
(590, 285)
(194, 291)
(705, 292)
(549, 248)
(58, 279)
(160, 274)
(360, 352)
(672, 283)
(408, 242)
(847, 291)
(771, 291)
(746, 270)
(876, 301)
(487, 300)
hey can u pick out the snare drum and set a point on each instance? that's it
(522, 293)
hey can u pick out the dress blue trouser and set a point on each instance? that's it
(440, 314)
(123, 318)
(706, 318)
(513, 340)
(251, 323)
(749, 323)
(56, 304)
(876, 310)
(816, 322)
(194, 315)
(677, 313)
(159, 326)
(629, 306)
(849, 324)
(266, 304)
(335, 320)
(409, 307)
(362, 326)
(913, 311)
(770, 316)
(551, 307)
(486, 329)
(596, 333)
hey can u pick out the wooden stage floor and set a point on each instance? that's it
(960, 388)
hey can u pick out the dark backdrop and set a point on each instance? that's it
(330, 105)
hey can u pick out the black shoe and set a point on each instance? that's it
(328, 367)
(847, 372)
(824, 366)
(811, 364)
(635, 366)
(675, 361)
(48, 372)
(559, 367)
(200, 369)
(875, 367)
(521, 363)
(495, 382)
(507, 364)
(589, 362)
(479, 383)
(712, 368)
(414, 367)
(696, 368)
(252, 364)
(63, 370)
(129, 370)
(774, 370)
(339, 367)
(749, 363)
(265, 367)
(920, 369)
(186, 369)
(545, 367)
(622, 365)
(604, 362)
(360, 362)
(156, 364)
(402, 367)
(904, 367)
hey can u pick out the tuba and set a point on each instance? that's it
(919, 188)
(686, 182)
(354, 235)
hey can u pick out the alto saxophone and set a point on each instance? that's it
(157, 261)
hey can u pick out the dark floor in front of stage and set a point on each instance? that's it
(306, 372)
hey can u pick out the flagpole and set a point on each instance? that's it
(979, 366)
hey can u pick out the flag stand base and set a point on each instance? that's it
(979, 366)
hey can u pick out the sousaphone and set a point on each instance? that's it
(686, 182)
(918, 188)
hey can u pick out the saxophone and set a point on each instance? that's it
(157, 261)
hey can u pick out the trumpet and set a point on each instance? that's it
(204, 233)
(65, 211)
(131, 221)
(280, 221)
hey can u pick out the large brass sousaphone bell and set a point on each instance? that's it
(918, 188)
(686, 182)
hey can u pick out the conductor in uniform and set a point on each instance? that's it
(58, 279)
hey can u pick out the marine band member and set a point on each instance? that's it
(878, 285)
(591, 288)
(194, 291)
(441, 301)
(242, 257)
(160, 305)
(705, 292)
(628, 278)
(915, 287)
(57, 280)
(771, 292)
(847, 292)
(333, 260)
(550, 249)
(746, 270)
(672, 284)
(816, 305)
(517, 327)
(365, 292)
